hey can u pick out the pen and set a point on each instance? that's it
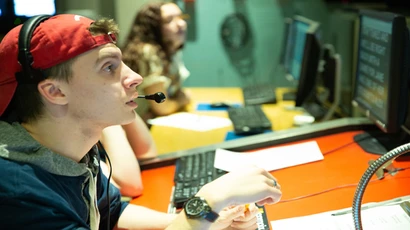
(246, 207)
(388, 202)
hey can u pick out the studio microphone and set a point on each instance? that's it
(157, 97)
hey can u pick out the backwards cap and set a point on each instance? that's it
(54, 41)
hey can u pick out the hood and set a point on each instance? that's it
(17, 144)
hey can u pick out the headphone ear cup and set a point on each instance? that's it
(28, 75)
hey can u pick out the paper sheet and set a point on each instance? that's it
(191, 121)
(271, 158)
(390, 217)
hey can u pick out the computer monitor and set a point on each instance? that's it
(306, 55)
(295, 52)
(381, 85)
(29, 8)
(328, 85)
(15, 12)
(325, 86)
(296, 44)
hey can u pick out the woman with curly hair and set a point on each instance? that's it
(154, 50)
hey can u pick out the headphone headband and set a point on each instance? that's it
(28, 75)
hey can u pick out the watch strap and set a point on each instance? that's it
(211, 216)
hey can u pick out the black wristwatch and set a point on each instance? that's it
(197, 207)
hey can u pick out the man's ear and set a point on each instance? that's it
(51, 91)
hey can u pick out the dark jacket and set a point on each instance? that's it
(40, 189)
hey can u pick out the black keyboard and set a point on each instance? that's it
(249, 120)
(191, 173)
(258, 94)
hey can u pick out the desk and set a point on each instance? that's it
(340, 167)
(168, 139)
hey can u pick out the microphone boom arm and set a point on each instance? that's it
(158, 97)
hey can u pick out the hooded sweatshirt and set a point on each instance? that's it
(40, 189)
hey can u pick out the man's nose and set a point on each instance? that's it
(133, 79)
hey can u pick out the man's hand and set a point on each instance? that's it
(237, 217)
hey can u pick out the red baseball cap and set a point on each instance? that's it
(55, 40)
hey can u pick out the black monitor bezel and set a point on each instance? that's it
(396, 104)
(310, 61)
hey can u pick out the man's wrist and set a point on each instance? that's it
(213, 199)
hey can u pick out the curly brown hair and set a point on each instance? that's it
(147, 25)
(146, 29)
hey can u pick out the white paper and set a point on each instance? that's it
(191, 121)
(391, 217)
(270, 158)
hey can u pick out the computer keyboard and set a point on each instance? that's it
(249, 119)
(191, 173)
(258, 94)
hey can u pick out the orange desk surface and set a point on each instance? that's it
(307, 189)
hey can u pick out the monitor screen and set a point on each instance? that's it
(2, 7)
(286, 45)
(297, 44)
(381, 78)
(29, 8)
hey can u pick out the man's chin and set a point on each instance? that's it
(131, 119)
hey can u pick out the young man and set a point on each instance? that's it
(53, 115)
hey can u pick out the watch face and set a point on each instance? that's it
(194, 206)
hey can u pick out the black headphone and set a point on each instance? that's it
(28, 75)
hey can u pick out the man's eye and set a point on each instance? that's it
(109, 68)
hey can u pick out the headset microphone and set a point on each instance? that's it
(157, 97)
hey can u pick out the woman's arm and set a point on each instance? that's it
(126, 173)
(140, 139)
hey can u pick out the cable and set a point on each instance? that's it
(340, 147)
(339, 187)
(322, 192)
(345, 145)
(108, 184)
(108, 191)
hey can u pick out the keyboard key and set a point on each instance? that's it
(191, 173)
